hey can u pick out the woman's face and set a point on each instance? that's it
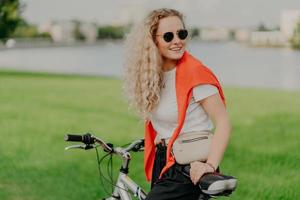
(173, 50)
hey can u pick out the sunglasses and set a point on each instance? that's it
(169, 36)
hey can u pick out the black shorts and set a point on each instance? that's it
(173, 184)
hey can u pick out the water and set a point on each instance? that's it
(239, 65)
(103, 59)
(233, 63)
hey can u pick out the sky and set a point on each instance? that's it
(228, 13)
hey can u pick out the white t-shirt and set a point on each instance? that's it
(164, 116)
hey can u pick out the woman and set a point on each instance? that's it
(173, 93)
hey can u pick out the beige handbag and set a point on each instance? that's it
(192, 146)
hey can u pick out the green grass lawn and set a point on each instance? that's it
(36, 110)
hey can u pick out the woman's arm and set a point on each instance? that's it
(215, 108)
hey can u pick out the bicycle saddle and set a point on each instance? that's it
(214, 184)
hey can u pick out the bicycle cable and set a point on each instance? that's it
(101, 174)
(109, 170)
(126, 144)
(100, 171)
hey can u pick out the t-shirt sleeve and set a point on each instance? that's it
(202, 91)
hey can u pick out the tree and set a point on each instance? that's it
(295, 40)
(10, 17)
(111, 32)
(194, 32)
(78, 35)
(262, 27)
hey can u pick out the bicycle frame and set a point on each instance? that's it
(123, 186)
(124, 183)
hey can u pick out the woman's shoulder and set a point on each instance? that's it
(195, 64)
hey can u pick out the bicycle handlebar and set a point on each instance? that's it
(89, 140)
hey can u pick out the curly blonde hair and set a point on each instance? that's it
(143, 74)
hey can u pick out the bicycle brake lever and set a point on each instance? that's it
(142, 149)
(77, 146)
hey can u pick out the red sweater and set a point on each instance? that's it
(190, 72)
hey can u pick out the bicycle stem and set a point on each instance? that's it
(126, 157)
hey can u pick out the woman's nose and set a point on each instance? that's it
(176, 39)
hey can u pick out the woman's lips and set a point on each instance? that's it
(176, 49)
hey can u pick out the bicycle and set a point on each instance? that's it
(125, 187)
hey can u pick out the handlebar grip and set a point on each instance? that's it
(73, 138)
(86, 138)
(138, 146)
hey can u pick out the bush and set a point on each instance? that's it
(295, 40)
(111, 32)
(29, 31)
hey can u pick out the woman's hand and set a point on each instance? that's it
(198, 169)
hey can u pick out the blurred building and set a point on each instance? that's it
(214, 34)
(63, 31)
(288, 22)
(89, 31)
(242, 35)
(60, 31)
(267, 38)
(45, 27)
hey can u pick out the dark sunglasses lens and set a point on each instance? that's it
(182, 34)
(168, 37)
